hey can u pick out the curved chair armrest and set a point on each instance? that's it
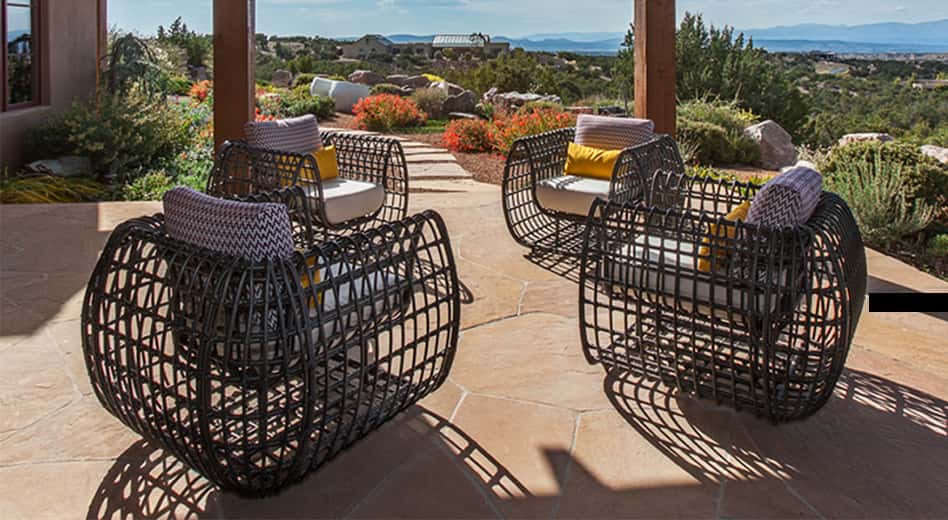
(544, 153)
(375, 159)
(241, 169)
(365, 157)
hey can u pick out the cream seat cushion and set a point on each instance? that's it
(670, 268)
(347, 199)
(571, 194)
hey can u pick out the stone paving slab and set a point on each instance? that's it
(523, 428)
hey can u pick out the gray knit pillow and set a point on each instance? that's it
(612, 133)
(296, 135)
(247, 230)
(787, 200)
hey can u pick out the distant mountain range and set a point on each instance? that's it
(925, 37)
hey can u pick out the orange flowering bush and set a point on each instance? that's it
(384, 112)
(509, 128)
(200, 91)
(468, 136)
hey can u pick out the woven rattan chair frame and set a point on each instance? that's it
(543, 156)
(241, 169)
(247, 374)
(774, 344)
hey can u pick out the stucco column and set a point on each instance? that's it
(655, 81)
(234, 86)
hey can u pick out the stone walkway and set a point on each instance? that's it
(431, 169)
(524, 428)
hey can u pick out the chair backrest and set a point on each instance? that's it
(613, 133)
(255, 231)
(297, 135)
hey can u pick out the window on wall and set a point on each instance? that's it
(20, 64)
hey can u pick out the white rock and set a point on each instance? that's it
(937, 152)
(345, 94)
(776, 145)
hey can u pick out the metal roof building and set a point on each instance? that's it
(459, 41)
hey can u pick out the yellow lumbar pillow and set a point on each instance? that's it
(719, 237)
(586, 161)
(327, 163)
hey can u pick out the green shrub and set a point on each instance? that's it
(714, 132)
(387, 88)
(430, 101)
(878, 194)
(925, 177)
(533, 106)
(938, 246)
(150, 186)
(322, 108)
(178, 86)
(303, 80)
(123, 134)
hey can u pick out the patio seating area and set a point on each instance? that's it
(524, 426)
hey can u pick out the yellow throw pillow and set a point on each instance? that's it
(719, 237)
(327, 163)
(586, 161)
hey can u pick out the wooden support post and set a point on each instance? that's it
(655, 80)
(234, 85)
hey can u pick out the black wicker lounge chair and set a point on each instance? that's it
(372, 187)
(546, 210)
(256, 372)
(767, 332)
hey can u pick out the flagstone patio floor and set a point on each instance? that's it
(524, 427)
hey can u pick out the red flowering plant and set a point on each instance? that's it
(509, 128)
(384, 112)
(468, 136)
(201, 90)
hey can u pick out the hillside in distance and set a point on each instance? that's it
(925, 37)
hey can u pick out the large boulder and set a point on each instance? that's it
(776, 145)
(281, 78)
(345, 94)
(417, 82)
(449, 88)
(366, 77)
(461, 102)
(397, 79)
(937, 152)
(872, 137)
(69, 166)
(512, 100)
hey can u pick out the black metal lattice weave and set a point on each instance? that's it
(535, 158)
(767, 329)
(255, 373)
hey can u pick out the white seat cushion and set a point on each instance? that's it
(571, 194)
(346, 199)
(670, 269)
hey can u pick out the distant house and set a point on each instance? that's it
(375, 45)
(366, 47)
(930, 84)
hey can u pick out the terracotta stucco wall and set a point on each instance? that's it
(69, 32)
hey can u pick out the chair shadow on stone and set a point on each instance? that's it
(877, 449)
(367, 480)
(564, 266)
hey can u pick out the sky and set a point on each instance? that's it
(513, 18)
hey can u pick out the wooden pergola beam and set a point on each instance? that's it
(655, 80)
(234, 85)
